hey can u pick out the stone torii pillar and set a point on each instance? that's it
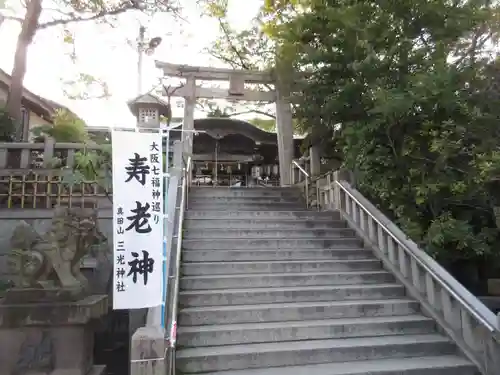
(284, 130)
(188, 123)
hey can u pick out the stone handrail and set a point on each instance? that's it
(318, 189)
(467, 321)
(298, 170)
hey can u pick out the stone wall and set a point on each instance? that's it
(97, 269)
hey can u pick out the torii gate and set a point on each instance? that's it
(237, 91)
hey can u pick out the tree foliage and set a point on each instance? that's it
(246, 49)
(249, 49)
(407, 92)
(66, 127)
(92, 163)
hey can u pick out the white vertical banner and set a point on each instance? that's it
(137, 219)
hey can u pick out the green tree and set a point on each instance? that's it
(406, 91)
(254, 48)
(92, 163)
(249, 49)
(66, 127)
(64, 13)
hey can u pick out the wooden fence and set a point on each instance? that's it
(31, 176)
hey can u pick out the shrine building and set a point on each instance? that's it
(225, 151)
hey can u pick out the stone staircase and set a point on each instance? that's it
(271, 288)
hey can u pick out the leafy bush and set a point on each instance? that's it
(66, 127)
(91, 166)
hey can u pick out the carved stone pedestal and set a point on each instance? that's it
(48, 333)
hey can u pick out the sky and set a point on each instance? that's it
(104, 53)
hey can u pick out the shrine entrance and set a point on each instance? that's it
(221, 151)
(229, 152)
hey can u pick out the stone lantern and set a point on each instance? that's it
(148, 109)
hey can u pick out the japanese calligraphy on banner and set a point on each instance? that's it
(137, 219)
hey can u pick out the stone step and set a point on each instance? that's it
(212, 282)
(307, 352)
(276, 254)
(249, 333)
(257, 243)
(243, 192)
(262, 224)
(208, 234)
(294, 311)
(223, 201)
(247, 296)
(214, 206)
(267, 267)
(431, 365)
(262, 214)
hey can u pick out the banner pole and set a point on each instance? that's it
(165, 222)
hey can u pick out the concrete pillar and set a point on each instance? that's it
(314, 160)
(284, 127)
(188, 124)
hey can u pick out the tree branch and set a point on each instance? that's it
(10, 18)
(102, 14)
(475, 45)
(238, 54)
(243, 63)
(224, 59)
(252, 111)
(125, 7)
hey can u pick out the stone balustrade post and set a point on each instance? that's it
(48, 151)
(314, 160)
(147, 353)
